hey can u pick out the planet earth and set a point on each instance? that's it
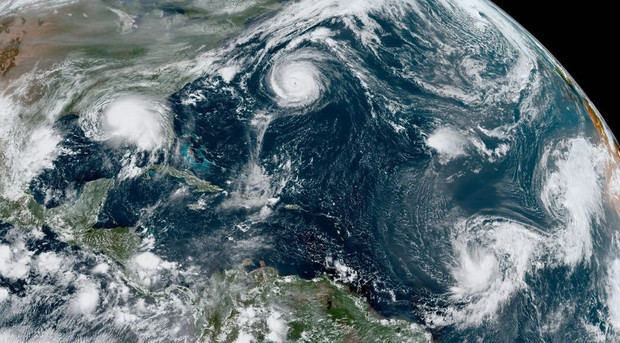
(299, 171)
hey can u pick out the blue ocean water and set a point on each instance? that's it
(341, 176)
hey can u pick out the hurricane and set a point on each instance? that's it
(296, 81)
(299, 171)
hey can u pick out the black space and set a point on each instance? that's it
(583, 36)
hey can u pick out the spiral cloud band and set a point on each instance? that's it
(296, 80)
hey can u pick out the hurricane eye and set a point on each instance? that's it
(296, 80)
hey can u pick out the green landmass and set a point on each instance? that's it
(74, 221)
(263, 305)
(197, 184)
(259, 304)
